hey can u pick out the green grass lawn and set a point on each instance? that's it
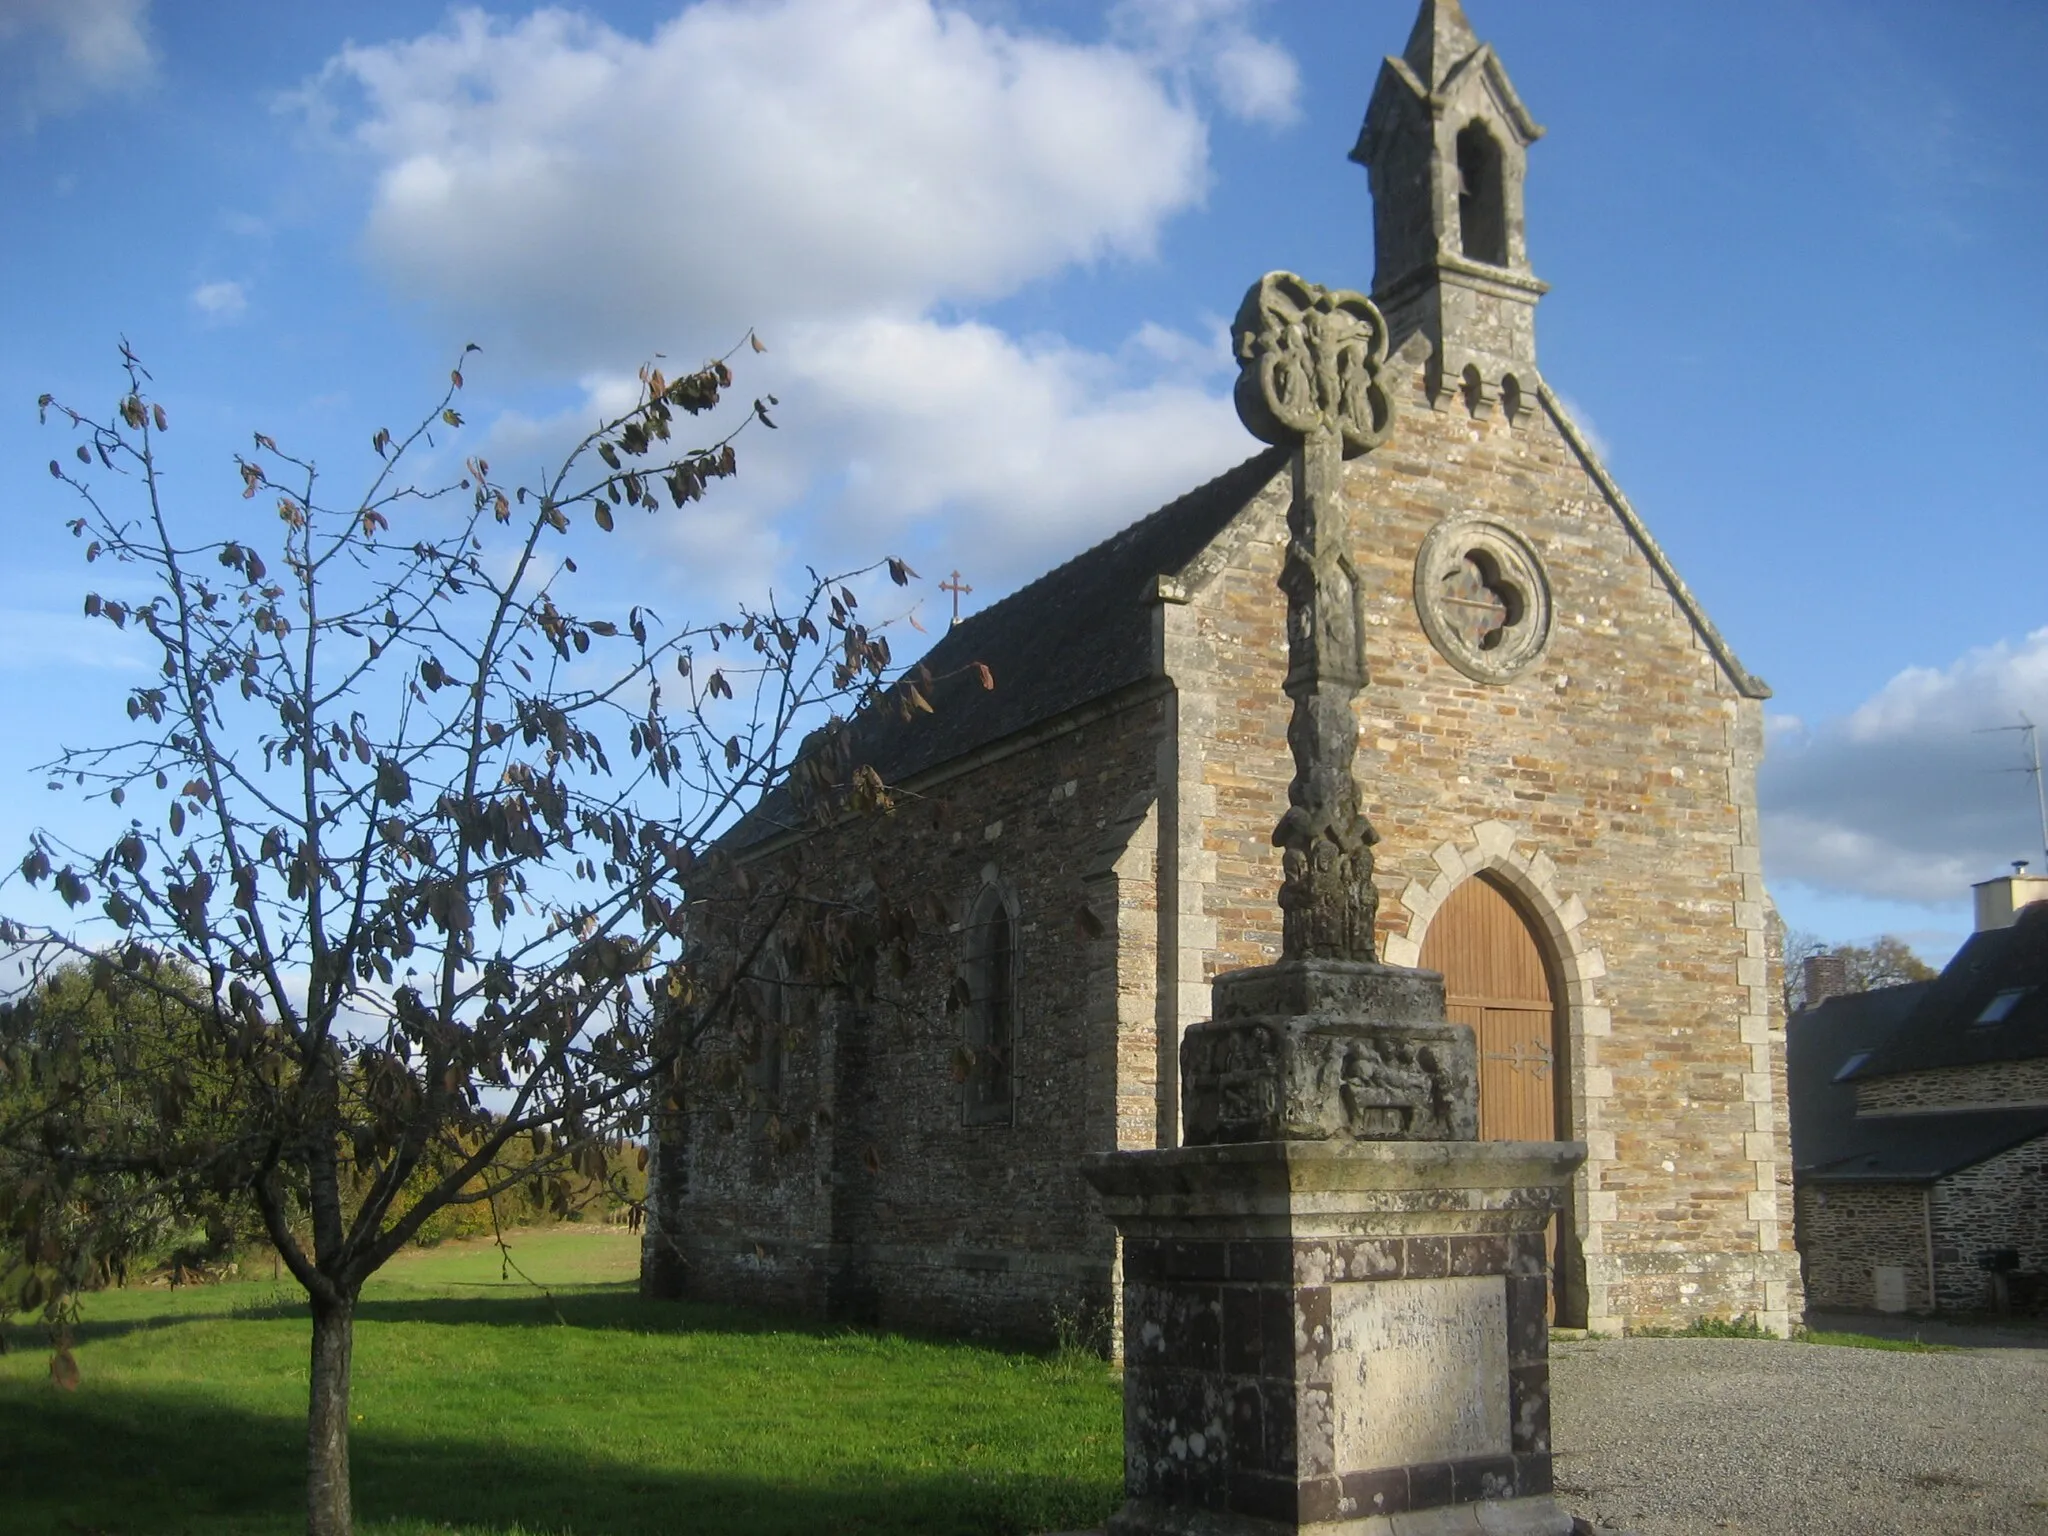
(1911, 1346)
(483, 1407)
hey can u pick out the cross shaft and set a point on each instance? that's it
(1310, 363)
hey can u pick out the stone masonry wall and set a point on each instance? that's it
(896, 1212)
(1848, 1231)
(1612, 785)
(2000, 1203)
(1991, 1085)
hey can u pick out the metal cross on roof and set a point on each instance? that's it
(953, 585)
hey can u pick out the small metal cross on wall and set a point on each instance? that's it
(953, 585)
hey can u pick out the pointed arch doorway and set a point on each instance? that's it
(1501, 979)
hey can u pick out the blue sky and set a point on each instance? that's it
(1795, 251)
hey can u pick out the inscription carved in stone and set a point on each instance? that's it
(1418, 1371)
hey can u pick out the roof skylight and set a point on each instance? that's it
(2002, 1005)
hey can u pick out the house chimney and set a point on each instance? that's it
(1999, 901)
(1826, 975)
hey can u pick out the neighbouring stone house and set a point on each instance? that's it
(1557, 748)
(1920, 1127)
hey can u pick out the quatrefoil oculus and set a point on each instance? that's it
(1483, 598)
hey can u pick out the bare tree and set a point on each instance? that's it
(426, 837)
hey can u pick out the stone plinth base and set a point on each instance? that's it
(1336, 1336)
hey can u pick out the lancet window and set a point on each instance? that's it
(991, 976)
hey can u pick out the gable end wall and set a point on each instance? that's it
(1613, 783)
(2000, 1203)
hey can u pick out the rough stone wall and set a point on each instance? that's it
(896, 1212)
(2000, 1203)
(730, 1217)
(1848, 1231)
(1992, 1085)
(1612, 784)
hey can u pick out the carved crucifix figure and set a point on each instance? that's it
(1310, 361)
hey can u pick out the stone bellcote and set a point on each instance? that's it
(1446, 141)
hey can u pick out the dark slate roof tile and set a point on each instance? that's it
(1915, 1149)
(1943, 1030)
(1075, 635)
(1819, 1044)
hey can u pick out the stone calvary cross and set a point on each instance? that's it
(1310, 361)
(1333, 1292)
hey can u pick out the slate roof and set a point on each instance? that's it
(1942, 1030)
(1819, 1042)
(1077, 634)
(1921, 1026)
(1915, 1149)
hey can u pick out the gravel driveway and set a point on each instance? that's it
(1683, 1437)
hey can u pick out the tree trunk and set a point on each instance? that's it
(327, 1488)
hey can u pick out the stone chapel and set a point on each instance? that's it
(1557, 749)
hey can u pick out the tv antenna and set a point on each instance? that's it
(2032, 766)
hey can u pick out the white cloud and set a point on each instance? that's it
(955, 444)
(1258, 80)
(1212, 41)
(1029, 451)
(1207, 355)
(1911, 797)
(220, 301)
(847, 175)
(56, 53)
(752, 164)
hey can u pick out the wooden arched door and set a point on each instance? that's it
(1498, 980)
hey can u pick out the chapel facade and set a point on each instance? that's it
(1557, 749)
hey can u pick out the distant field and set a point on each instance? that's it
(485, 1409)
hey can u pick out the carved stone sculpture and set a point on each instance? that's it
(1326, 1050)
(1310, 360)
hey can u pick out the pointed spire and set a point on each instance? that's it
(1442, 40)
